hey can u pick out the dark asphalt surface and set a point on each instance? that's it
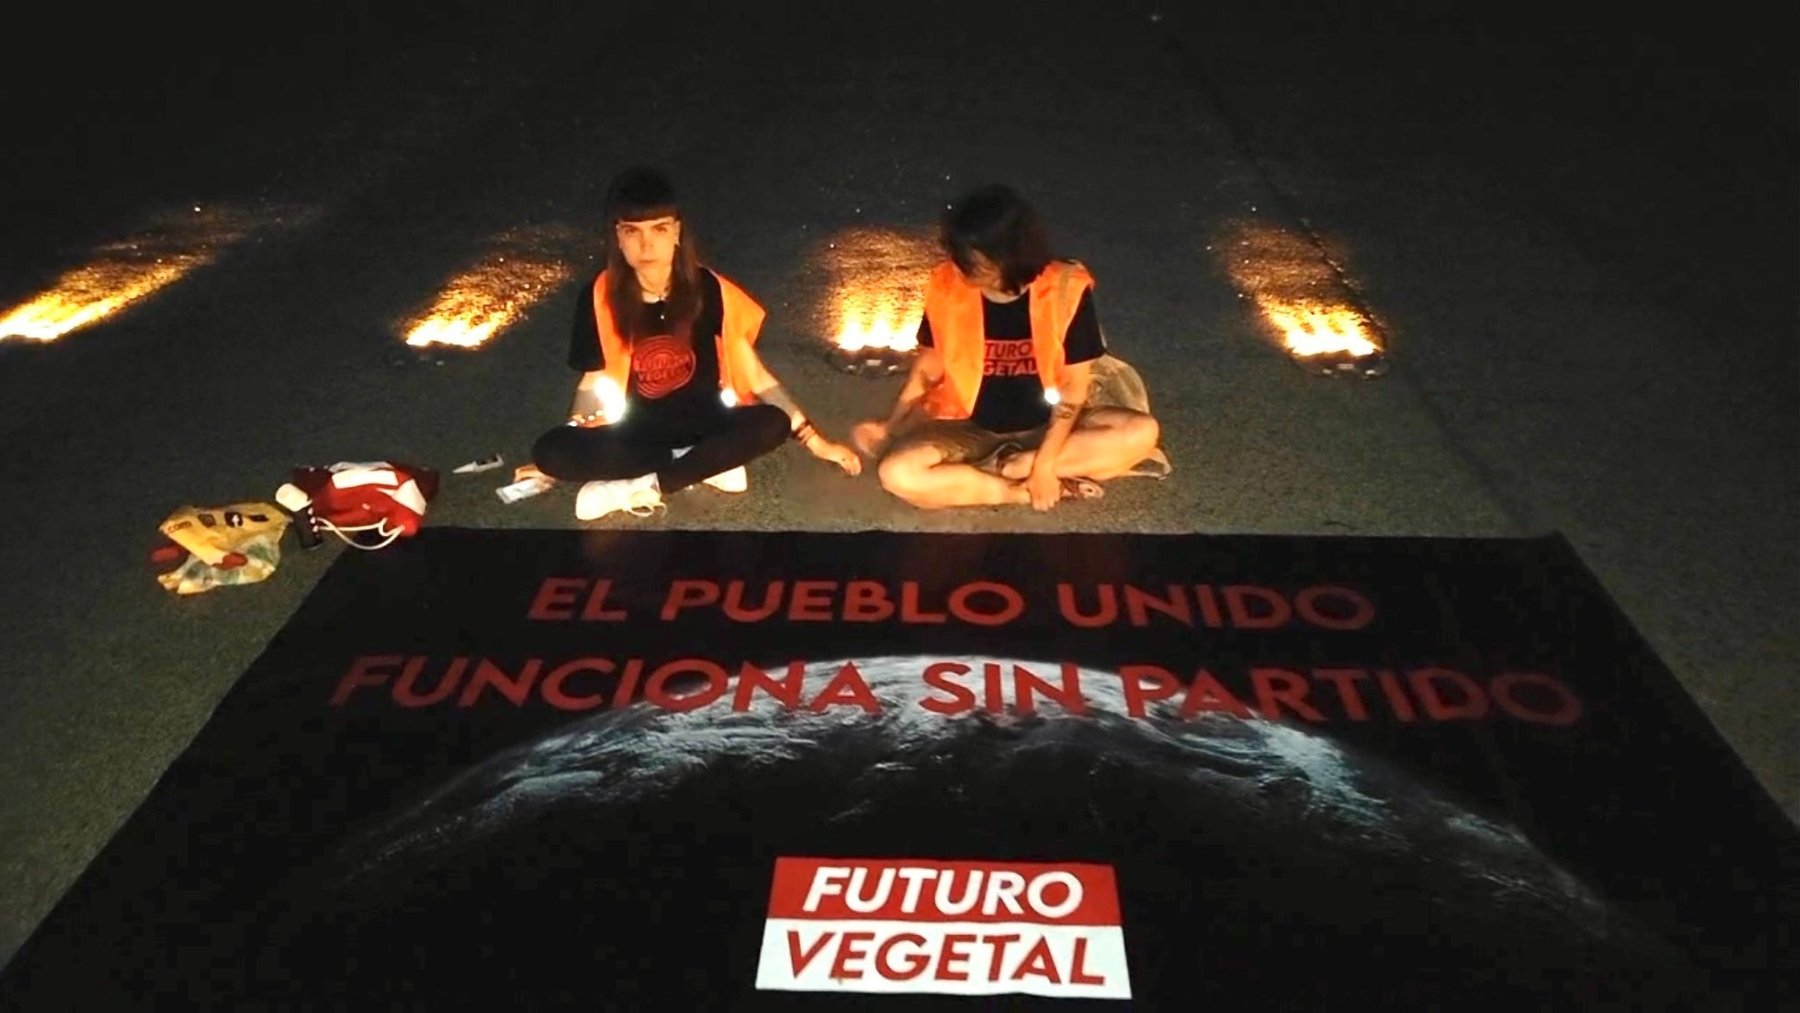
(1580, 244)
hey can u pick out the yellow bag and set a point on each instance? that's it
(239, 543)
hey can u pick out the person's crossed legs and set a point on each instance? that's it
(939, 464)
(1106, 443)
(735, 437)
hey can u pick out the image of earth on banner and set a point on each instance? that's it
(638, 842)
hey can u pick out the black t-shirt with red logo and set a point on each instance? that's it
(1011, 397)
(674, 372)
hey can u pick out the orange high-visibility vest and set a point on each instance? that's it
(953, 306)
(742, 323)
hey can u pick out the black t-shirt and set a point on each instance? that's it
(1011, 396)
(674, 372)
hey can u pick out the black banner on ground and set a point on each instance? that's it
(746, 771)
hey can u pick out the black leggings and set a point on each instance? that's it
(735, 436)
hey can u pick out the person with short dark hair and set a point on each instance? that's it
(995, 409)
(672, 391)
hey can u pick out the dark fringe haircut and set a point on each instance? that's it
(998, 223)
(638, 194)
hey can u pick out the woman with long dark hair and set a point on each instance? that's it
(672, 391)
(996, 408)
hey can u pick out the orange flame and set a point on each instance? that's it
(1298, 292)
(871, 322)
(878, 281)
(1309, 331)
(127, 272)
(478, 303)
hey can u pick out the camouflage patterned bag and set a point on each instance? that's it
(239, 543)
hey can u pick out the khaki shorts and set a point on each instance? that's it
(964, 442)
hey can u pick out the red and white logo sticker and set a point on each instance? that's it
(663, 365)
(963, 928)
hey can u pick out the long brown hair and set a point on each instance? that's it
(638, 194)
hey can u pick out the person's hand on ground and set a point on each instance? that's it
(527, 470)
(838, 454)
(869, 436)
(1045, 488)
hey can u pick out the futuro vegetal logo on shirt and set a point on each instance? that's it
(1009, 358)
(661, 365)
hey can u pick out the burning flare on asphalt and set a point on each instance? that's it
(877, 278)
(481, 301)
(1301, 296)
(878, 287)
(877, 323)
(129, 271)
(1309, 330)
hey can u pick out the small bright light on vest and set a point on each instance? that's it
(1052, 395)
(729, 396)
(612, 399)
